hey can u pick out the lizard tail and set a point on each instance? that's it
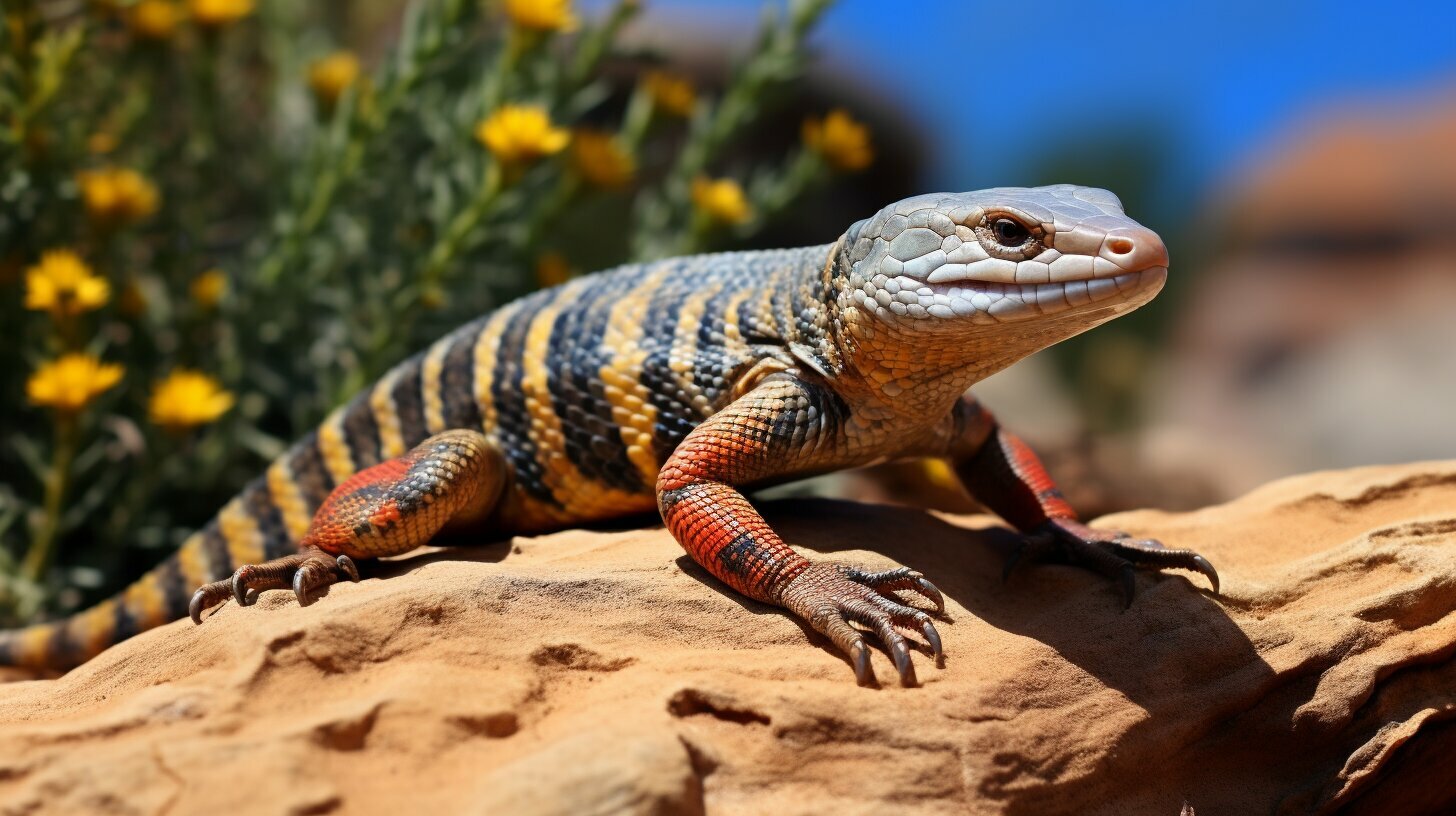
(267, 519)
(248, 530)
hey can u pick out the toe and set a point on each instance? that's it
(883, 625)
(1201, 565)
(348, 567)
(930, 592)
(912, 619)
(859, 656)
(195, 607)
(900, 651)
(832, 597)
(933, 638)
(240, 586)
(1116, 555)
(902, 578)
(300, 589)
(310, 576)
(206, 597)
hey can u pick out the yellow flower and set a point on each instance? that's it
(154, 19)
(671, 92)
(186, 399)
(63, 285)
(101, 143)
(722, 200)
(541, 15)
(551, 270)
(598, 158)
(521, 134)
(219, 13)
(115, 196)
(843, 142)
(71, 382)
(331, 76)
(208, 289)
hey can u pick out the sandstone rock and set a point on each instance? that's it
(603, 672)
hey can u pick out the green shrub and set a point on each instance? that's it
(215, 226)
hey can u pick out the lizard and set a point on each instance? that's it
(680, 385)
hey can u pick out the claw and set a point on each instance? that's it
(194, 607)
(932, 592)
(299, 589)
(901, 654)
(1200, 564)
(859, 655)
(240, 587)
(1117, 555)
(347, 566)
(933, 638)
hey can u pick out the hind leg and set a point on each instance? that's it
(454, 477)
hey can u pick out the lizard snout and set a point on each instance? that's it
(1134, 248)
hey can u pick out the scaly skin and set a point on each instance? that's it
(681, 383)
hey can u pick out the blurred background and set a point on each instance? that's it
(221, 218)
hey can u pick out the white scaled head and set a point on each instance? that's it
(1061, 254)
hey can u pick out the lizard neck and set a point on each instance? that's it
(916, 370)
(785, 311)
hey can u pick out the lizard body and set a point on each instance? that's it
(676, 384)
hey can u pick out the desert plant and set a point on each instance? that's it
(217, 223)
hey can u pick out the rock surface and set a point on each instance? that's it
(602, 672)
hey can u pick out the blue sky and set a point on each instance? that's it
(1000, 81)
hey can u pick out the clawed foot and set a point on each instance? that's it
(1112, 554)
(829, 597)
(305, 571)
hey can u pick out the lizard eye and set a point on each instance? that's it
(1009, 233)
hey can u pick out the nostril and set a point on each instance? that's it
(1119, 246)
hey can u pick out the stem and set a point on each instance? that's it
(38, 557)
(445, 250)
(517, 44)
(636, 121)
(595, 43)
(777, 57)
(803, 169)
(337, 166)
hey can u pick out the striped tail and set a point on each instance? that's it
(249, 529)
(424, 395)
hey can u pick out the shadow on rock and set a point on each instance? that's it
(1174, 632)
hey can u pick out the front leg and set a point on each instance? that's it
(781, 426)
(1008, 478)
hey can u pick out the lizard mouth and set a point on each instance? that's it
(992, 302)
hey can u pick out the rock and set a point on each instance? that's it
(607, 772)
(603, 672)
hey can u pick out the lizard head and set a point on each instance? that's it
(954, 286)
(1008, 255)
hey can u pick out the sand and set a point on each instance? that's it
(602, 672)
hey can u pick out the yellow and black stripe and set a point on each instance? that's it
(585, 389)
(263, 522)
(593, 441)
(248, 529)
